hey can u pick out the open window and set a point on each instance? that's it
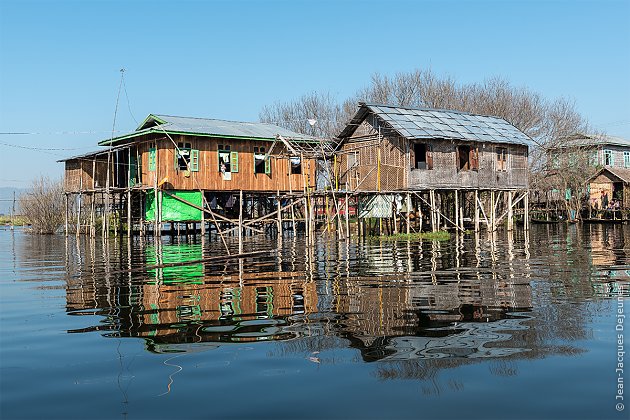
(228, 159)
(186, 158)
(467, 158)
(501, 159)
(261, 165)
(296, 165)
(423, 156)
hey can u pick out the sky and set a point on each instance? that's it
(60, 61)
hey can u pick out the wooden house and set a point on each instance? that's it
(198, 161)
(612, 182)
(389, 148)
(446, 159)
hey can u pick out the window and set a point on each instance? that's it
(224, 158)
(502, 159)
(261, 165)
(152, 157)
(609, 159)
(594, 158)
(182, 156)
(467, 158)
(423, 156)
(626, 159)
(296, 165)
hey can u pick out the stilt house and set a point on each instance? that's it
(388, 148)
(192, 160)
(453, 163)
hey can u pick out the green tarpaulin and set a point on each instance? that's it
(172, 208)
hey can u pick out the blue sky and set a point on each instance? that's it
(60, 60)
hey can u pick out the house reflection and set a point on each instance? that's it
(442, 296)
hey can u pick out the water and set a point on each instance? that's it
(504, 327)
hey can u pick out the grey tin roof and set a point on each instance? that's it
(426, 123)
(157, 123)
(586, 140)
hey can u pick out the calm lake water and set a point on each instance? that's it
(514, 327)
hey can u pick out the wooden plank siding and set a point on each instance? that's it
(78, 174)
(208, 177)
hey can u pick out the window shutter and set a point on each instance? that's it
(268, 166)
(175, 156)
(152, 159)
(194, 160)
(474, 159)
(234, 161)
(429, 156)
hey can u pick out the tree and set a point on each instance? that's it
(43, 205)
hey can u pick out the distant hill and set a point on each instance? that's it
(6, 199)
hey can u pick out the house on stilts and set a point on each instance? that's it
(441, 167)
(197, 173)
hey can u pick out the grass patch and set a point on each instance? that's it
(17, 221)
(431, 236)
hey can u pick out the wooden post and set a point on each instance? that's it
(279, 221)
(433, 216)
(240, 222)
(79, 204)
(476, 210)
(492, 212)
(66, 203)
(526, 215)
(510, 214)
(409, 207)
(347, 207)
(203, 214)
(457, 208)
(129, 194)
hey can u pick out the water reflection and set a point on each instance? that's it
(399, 310)
(465, 298)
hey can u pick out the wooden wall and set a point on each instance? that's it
(210, 178)
(78, 173)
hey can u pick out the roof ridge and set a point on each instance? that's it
(215, 119)
(456, 111)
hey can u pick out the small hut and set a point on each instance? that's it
(609, 189)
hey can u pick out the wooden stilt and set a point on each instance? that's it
(510, 215)
(457, 208)
(347, 211)
(240, 222)
(476, 210)
(526, 215)
(492, 212)
(409, 208)
(66, 205)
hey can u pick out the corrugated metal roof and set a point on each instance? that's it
(225, 128)
(582, 140)
(425, 123)
(156, 123)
